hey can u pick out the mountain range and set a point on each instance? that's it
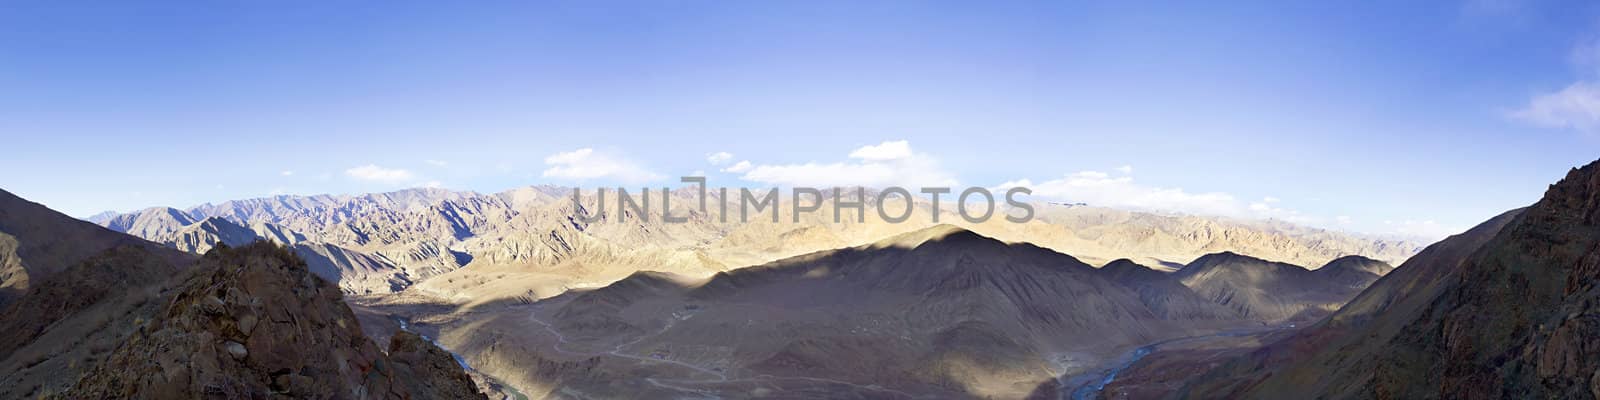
(514, 294)
(532, 243)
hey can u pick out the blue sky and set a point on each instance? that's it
(1367, 116)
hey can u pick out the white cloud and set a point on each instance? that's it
(1101, 189)
(1343, 219)
(1575, 107)
(286, 173)
(585, 163)
(890, 163)
(371, 172)
(437, 163)
(432, 184)
(1126, 169)
(719, 158)
(739, 168)
(886, 151)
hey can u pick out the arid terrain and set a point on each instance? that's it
(524, 301)
(729, 200)
(538, 303)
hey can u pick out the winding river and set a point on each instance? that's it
(515, 394)
(1088, 385)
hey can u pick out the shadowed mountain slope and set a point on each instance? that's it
(1164, 294)
(37, 242)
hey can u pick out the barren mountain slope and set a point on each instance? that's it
(36, 242)
(354, 272)
(1180, 239)
(200, 237)
(150, 222)
(71, 320)
(1271, 291)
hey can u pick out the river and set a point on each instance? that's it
(515, 394)
(1088, 385)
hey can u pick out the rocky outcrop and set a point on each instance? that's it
(254, 322)
(427, 371)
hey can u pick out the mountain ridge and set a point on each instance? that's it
(427, 233)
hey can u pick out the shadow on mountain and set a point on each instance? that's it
(939, 312)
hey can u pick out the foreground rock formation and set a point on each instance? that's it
(137, 320)
(253, 322)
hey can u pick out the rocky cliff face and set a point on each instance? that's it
(253, 322)
(1510, 309)
(428, 372)
(1524, 319)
